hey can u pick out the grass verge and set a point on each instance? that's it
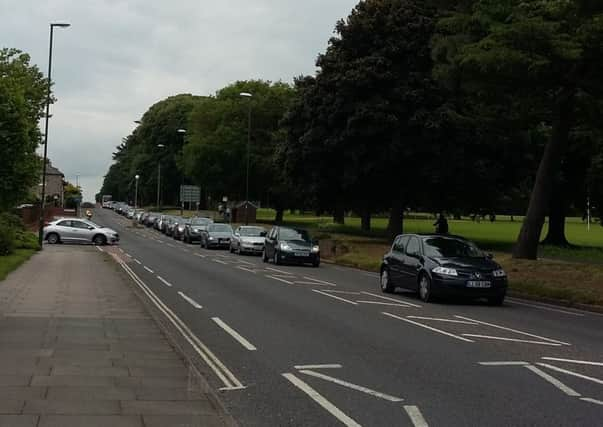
(11, 262)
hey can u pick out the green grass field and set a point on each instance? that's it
(11, 262)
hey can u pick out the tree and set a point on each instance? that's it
(539, 56)
(72, 195)
(22, 100)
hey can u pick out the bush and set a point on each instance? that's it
(13, 235)
(7, 239)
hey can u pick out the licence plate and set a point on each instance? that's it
(478, 284)
(300, 254)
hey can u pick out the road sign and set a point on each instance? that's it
(190, 193)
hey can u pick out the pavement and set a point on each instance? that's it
(79, 348)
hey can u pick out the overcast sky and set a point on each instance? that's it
(119, 57)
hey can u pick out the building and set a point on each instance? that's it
(55, 183)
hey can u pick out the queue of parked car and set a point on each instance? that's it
(432, 265)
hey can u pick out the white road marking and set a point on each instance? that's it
(322, 401)
(383, 303)
(567, 390)
(280, 280)
(334, 296)
(279, 271)
(391, 299)
(234, 334)
(190, 300)
(579, 362)
(322, 282)
(121, 250)
(512, 330)
(246, 262)
(415, 416)
(170, 245)
(160, 241)
(438, 319)
(240, 267)
(148, 269)
(323, 366)
(509, 363)
(201, 256)
(185, 250)
(356, 387)
(165, 282)
(371, 275)
(542, 307)
(428, 327)
(575, 374)
(591, 400)
(221, 371)
(511, 339)
(137, 262)
(343, 292)
(99, 248)
(219, 261)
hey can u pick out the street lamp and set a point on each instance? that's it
(159, 176)
(182, 132)
(136, 192)
(247, 95)
(41, 223)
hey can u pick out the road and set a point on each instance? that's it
(303, 346)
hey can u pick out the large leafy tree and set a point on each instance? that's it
(541, 59)
(22, 98)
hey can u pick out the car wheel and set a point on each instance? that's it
(425, 288)
(99, 240)
(53, 238)
(497, 301)
(231, 249)
(316, 264)
(277, 258)
(264, 257)
(386, 283)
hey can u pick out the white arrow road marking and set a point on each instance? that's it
(234, 334)
(190, 300)
(567, 390)
(391, 299)
(240, 267)
(137, 262)
(219, 261)
(579, 362)
(280, 280)
(148, 269)
(165, 282)
(322, 282)
(391, 304)
(512, 330)
(279, 271)
(353, 386)
(322, 401)
(334, 296)
(438, 319)
(591, 400)
(323, 366)
(415, 416)
(510, 363)
(428, 327)
(575, 374)
(201, 256)
(511, 339)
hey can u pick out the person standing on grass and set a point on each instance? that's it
(441, 224)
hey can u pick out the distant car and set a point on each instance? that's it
(290, 245)
(150, 219)
(178, 230)
(248, 239)
(194, 227)
(171, 223)
(77, 230)
(442, 265)
(216, 235)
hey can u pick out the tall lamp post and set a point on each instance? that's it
(182, 132)
(42, 201)
(137, 177)
(159, 177)
(247, 95)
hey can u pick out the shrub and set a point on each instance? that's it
(7, 239)
(13, 235)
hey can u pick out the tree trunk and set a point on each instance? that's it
(339, 214)
(556, 232)
(365, 220)
(529, 236)
(395, 225)
(278, 217)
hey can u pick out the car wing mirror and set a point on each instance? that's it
(490, 255)
(90, 227)
(263, 234)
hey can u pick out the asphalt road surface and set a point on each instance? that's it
(303, 346)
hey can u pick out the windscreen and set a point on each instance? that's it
(251, 231)
(294, 234)
(221, 228)
(441, 247)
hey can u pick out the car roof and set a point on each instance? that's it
(428, 235)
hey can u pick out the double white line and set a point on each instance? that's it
(222, 372)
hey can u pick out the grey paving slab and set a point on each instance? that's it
(72, 407)
(21, 392)
(151, 381)
(9, 406)
(72, 380)
(18, 420)
(159, 372)
(148, 363)
(183, 421)
(91, 421)
(8, 380)
(167, 393)
(91, 393)
(90, 371)
(167, 407)
(75, 361)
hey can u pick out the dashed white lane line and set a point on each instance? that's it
(99, 248)
(280, 280)
(165, 282)
(352, 386)
(148, 269)
(240, 267)
(334, 297)
(490, 337)
(591, 400)
(554, 381)
(201, 256)
(321, 400)
(190, 300)
(438, 319)
(579, 362)
(234, 334)
(246, 262)
(415, 416)
(128, 255)
(279, 271)
(575, 374)
(512, 330)
(322, 282)
(322, 366)
(399, 301)
(219, 261)
(507, 363)
(185, 250)
(137, 262)
(121, 250)
(391, 304)
(160, 241)
(170, 245)
(428, 327)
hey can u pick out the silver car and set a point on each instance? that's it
(78, 230)
(216, 235)
(248, 239)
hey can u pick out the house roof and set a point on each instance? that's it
(51, 170)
